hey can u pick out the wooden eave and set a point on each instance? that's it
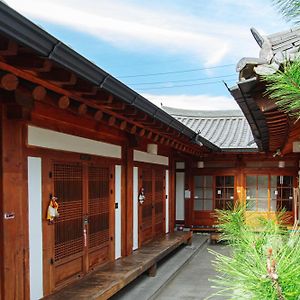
(242, 95)
(71, 83)
(270, 126)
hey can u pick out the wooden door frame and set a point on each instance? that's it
(163, 168)
(271, 172)
(214, 173)
(48, 156)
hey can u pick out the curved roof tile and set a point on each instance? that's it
(228, 129)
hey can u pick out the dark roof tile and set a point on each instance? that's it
(228, 129)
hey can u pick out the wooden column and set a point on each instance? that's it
(127, 238)
(14, 217)
(172, 194)
(240, 188)
(188, 201)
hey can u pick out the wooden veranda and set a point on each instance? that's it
(112, 277)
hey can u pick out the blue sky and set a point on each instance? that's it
(195, 43)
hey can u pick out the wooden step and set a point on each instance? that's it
(110, 278)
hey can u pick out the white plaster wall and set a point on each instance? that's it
(135, 208)
(179, 195)
(35, 227)
(167, 201)
(150, 158)
(61, 141)
(118, 226)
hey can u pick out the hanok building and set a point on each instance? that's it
(240, 171)
(75, 136)
(122, 170)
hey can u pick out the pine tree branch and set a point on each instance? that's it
(290, 9)
(284, 88)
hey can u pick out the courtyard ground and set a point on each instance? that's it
(183, 275)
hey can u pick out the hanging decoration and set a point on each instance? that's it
(141, 196)
(52, 212)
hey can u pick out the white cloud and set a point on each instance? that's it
(136, 27)
(196, 102)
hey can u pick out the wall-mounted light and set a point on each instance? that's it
(281, 164)
(200, 164)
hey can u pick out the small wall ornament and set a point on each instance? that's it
(52, 211)
(141, 197)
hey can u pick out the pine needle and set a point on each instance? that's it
(290, 9)
(284, 88)
(264, 260)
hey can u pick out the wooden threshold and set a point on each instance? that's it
(112, 277)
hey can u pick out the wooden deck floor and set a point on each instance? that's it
(110, 278)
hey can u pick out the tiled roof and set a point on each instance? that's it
(287, 41)
(228, 129)
(275, 49)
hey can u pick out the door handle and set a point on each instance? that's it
(85, 220)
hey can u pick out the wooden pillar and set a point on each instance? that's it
(128, 211)
(14, 217)
(172, 193)
(188, 201)
(240, 189)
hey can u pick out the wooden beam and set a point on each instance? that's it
(9, 82)
(123, 125)
(149, 135)
(91, 91)
(27, 62)
(9, 48)
(83, 88)
(111, 120)
(142, 132)
(132, 111)
(95, 104)
(63, 102)
(60, 77)
(82, 109)
(39, 93)
(24, 98)
(133, 129)
(46, 67)
(98, 115)
(101, 98)
(114, 106)
(143, 119)
(17, 112)
(147, 123)
(65, 121)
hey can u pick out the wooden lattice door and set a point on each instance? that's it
(83, 232)
(159, 201)
(99, 218)
(152, 210)
(68, 258)
(146, 212)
